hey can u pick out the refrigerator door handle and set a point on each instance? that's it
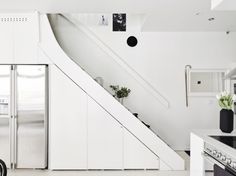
(15, 143)
(11, 142)
(13, 107)
(12, 117)
(15, 92)
(15, 115)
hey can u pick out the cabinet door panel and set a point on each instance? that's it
(25, 39)
(136, 155)
(105, 141)
(68, 124)
(6, 42)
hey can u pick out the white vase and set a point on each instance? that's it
(121, 100)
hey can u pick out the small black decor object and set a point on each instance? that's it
(119, 22)
(226, 120)
(3, 168)
(146, 124)
(132, 41)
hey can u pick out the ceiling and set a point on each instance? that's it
(161, 15)
(202, 20)
(223, 5)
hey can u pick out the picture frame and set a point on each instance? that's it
(119, 22)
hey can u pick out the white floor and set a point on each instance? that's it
(98, 173)
(28, 172)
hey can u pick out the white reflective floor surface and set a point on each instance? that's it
(28, 172)
(98, 173)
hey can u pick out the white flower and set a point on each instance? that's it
(224, 93)
(225, 100)
(234, 97)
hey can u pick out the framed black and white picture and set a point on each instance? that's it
(119, 22)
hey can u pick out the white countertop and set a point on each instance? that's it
(205, 135)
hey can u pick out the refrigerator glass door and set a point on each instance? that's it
(31, 116)
(5, 115)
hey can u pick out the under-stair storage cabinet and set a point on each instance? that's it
(68, 123)
(105, 139)
(137, 155)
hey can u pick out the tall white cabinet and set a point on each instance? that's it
(68, 123)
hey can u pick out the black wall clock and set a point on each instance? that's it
(132, 41)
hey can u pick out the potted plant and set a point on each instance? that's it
(226, 101)
(120, 93)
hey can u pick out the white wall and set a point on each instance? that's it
(160, 57)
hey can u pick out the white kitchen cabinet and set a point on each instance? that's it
(68, 123)
(6, 41)
(136, 155)
(105, 139)
(25, 39)
(19, 38)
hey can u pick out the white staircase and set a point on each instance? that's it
(132, 128)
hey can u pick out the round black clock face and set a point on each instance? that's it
(132, 41)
